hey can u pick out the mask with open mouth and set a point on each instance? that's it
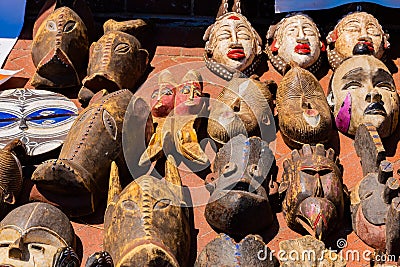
(295, 38)
(314, 199)
(60, 50)
(358, 28)
(117, 53)
(303, 112)
(232, 44)
(239, 204)
(363, 91)
(152, 228)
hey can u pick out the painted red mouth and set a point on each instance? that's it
(236, 54)
(302, 49)
(369, 44)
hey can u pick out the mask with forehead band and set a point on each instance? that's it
(295, 38)
(356, 33)
(232, 44)
(363, 91)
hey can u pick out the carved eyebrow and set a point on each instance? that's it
(354, 74)
(382, 76)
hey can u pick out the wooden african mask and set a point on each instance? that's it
(375, 199)
(243, 107)
(11, 177)
(116, 60)
(60, 50)
(303, 112)
(100, 259)
(80, 174)
(37, 234)
(147, 223)
(314, 199)
(176, 110)
(225, 251)
(295, 39)
(231, 43)
(239, 204)
(356, 28)
(311, 253)
(363, 91)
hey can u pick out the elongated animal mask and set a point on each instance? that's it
(243, 107)
(152, 228)
(363, 91)
(303, 112)
(37, 234)
(60, 50)
(239, 204)
(116, 60)
(80, 174)
(295, 38)
(225, 251)
(232, 44)
(313, 184)
(351, 31)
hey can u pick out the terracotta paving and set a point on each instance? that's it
(90, 235)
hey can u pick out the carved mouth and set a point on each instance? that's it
(236, 54)
(370, 45)
(302, 48)
(312, 117)
(375, 109)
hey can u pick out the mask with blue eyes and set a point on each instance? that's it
(362, 90)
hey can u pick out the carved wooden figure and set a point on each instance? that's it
(362, 90)
(313, 184)
(243, 107)
(60, 50)
(303, 112)
(77, 180)
(147, 224)
(175, 110)
(11, 177)
(100, 259)
(311, 253)
(351, 31)
(37, 234)
(116, 60)
(40, 118)
(239, 204)
(375, 200)
(295, 38)
(232, 44)
(225, 251)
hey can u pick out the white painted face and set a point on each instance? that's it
(297, 39)
(233, 42)
(359, 27)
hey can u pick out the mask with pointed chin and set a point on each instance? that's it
(163, 101)
(189, 98)
(60, 50)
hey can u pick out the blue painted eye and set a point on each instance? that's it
(7, 119)
(50, 116)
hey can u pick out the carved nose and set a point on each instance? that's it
(22, 124)
(365, 38)
(373, 97)
(15, 249)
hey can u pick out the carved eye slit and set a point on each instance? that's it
(311, 172)
(51, 26)
(122, 48)
(154, 94)
(69, 26)
(162, 204)
(229, 169)
(37, 247)
(5, 244)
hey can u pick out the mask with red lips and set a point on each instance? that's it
(359, 28)
(295, 38)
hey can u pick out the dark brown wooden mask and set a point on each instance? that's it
(314, 198)
(239, 203)
(60, 50)
(11, 176)
(303, 112)
(145, 224)
(80, 174)
(116, 60)
(37, 234)
(243, 107)
(223, 250)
